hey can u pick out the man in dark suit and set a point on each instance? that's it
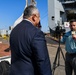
(29, 54)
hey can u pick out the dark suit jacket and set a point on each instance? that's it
(29, 54)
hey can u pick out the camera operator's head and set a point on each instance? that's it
(73, 25)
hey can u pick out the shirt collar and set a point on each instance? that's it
(28, 20)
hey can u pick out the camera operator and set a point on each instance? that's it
(70, 46)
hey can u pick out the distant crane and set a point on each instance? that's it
(28, 2)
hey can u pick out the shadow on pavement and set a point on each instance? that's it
(7, 50)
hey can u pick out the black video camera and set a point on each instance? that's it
(59, 30)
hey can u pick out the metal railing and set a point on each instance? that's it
(68, 0)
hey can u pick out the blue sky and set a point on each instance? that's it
(11, 10)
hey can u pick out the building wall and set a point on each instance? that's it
(3, 32)
(54, 8)
(62, 11)
(58, 8)
(51, 13)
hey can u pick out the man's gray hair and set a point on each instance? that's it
(30, 10)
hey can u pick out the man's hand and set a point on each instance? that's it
(74, 36)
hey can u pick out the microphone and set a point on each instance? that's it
(73, 34)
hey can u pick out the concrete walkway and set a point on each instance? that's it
(52, 49)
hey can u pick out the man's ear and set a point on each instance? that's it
(33, 18)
